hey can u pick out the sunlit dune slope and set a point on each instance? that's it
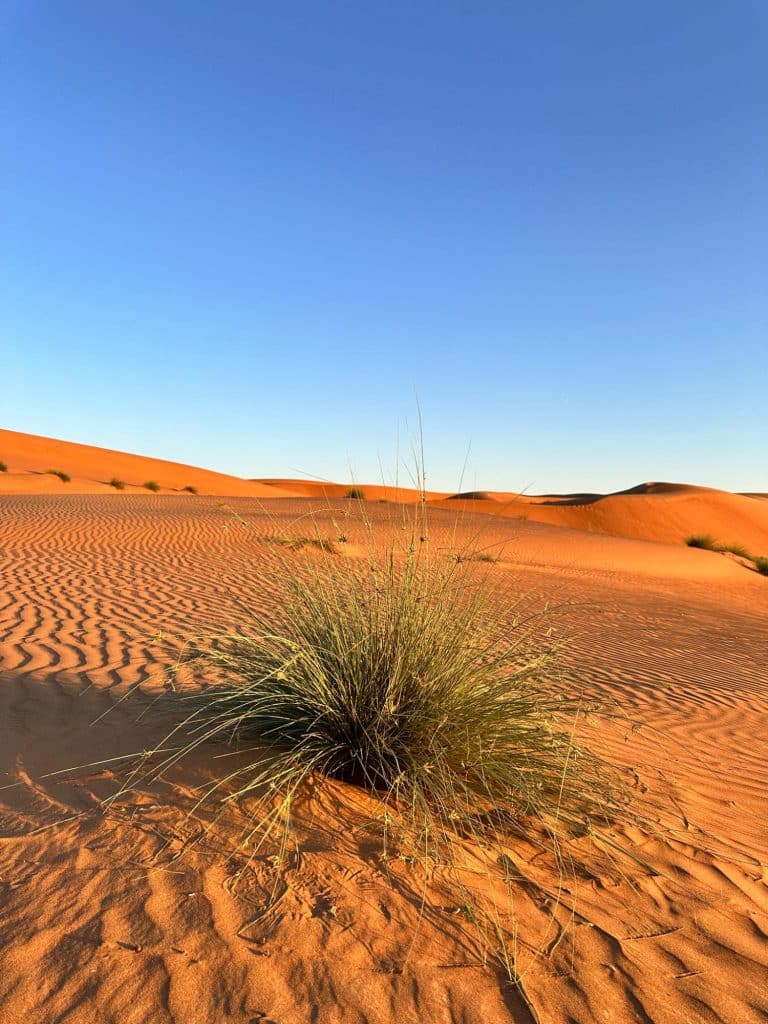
(28, 457)
(662, 512)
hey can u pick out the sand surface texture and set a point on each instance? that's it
(135, 915)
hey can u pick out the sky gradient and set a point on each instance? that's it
(247, 235)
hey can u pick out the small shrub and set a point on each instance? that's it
(355, 492)
(64, 477)
(3, 466)
(761, 564)
(297, 543)
(702, 540)
(393, 674)
(118, 484)
(342, 538)
(189, 489)
(152, 485)
(708, 543)
(482, 556)
(735, 549)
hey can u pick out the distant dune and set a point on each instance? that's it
(663, 512)
(28, 457)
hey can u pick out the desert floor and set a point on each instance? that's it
(132, 915)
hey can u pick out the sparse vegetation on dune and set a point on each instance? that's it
(480, 556)
(703, 541)
(734, 549)
(152, 485)
(355, 492)
(118, 484)
(189, 489)
(296, 543)
(390, 673)
(64, 477)
(3, 466)
(710, 544)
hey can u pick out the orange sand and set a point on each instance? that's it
(660, 512)
(668, 513)
(28, 458)
(118, 916)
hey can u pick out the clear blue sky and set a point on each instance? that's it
(244, 234)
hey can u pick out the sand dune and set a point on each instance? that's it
(133, 915)
(668, 513)
(28, 458)
(136, 915)
(664, 512)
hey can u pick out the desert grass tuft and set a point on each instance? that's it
(189, 489)
(3, 466)
(64, 477)
(296, 543)
(151, 485)
(735, 549)
(355, 492)
(708, 543)
(391, 673)
(396, 673)
(702, 540)
(761, 564)
(479, 556)
(117, 483)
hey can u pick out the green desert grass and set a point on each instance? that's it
(702, 540)
(151, 485)
(64, 477)
(394, 673)
(735, 549)
(118, 484)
